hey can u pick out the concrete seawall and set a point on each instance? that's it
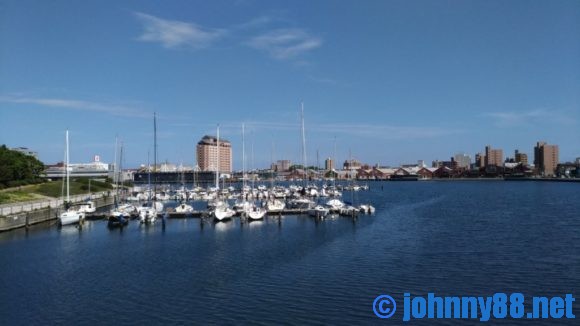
(25, 219)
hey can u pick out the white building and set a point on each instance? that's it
(463, 160)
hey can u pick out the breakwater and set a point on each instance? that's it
(23, 218)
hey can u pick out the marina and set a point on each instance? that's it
(177, 202)
(289, 162)
(423, 235)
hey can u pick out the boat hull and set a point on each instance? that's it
(68, 218)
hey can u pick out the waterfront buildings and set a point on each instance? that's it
(281, 166)
(93, 169)
(546, 158)
(462, 160)
(207, 151)
(352, 164)
(521, 158)
(493, 156)
(452, 164)
(479, 160)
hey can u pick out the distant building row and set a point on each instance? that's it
(546, 158)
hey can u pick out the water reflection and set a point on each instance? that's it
(223, 226)
(254, 224)
(147, 228)
(69, 229)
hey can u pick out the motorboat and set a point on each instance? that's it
(318, 211)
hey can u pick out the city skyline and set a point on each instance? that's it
(428, 80)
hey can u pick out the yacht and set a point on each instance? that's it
(318, 211)
(71, 216)
(184, 208)
(274, 206)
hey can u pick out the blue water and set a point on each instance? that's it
(451, 238)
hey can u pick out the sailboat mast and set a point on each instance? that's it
(155, 155)
(252, 167)
(272, 167)
(303, 143)
(67, 170)
(243, 156)
(148, 179)
(334, 162)
(115, 168)
(217, 169)
(120, 170)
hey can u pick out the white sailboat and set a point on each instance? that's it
(148, 212)
(88, 206)
(257, 213)
(302, 202)
(120, 214)
(183, 208)
(71, 216)
(275, 205)
(242, 205)
(222, 210)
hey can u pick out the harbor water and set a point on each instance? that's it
(449, 238)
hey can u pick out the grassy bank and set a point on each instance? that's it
(51, 189)
(17, 196)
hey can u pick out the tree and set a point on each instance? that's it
(17, 168)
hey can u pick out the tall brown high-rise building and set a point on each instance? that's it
(546, 158)
(493, 156)
(207, 151)
(521, 158)
(329, 164)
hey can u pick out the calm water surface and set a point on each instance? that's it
(451, 238)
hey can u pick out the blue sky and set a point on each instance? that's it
(392, 81)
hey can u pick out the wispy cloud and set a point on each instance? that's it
(527, 118)
(281, 44)
(78, 105)
(175, 34)
(284, 44)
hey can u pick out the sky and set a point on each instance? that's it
(385, 82)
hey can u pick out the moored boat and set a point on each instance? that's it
(318, 211)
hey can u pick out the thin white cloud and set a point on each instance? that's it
(527, 118)
(174, 34)
(284, 44)
(78, 105)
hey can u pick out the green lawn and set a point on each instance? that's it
(17, 196)
(51, 189)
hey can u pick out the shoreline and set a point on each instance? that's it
(472, 179)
